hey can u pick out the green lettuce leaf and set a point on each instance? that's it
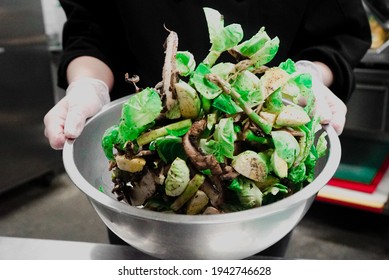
(222, 37)
(288, 65)
(304, 83)
(224, 103)
(223, 69)
(248, 193)
(247, 85)
(138, 112)
(203, 86)
(185, 63)
(168, 148)
(321, 146)
(222, 144)
(254, 44)
(286, 146)
(267, 53)
(110, 137)
(297, 173)
(273, 103)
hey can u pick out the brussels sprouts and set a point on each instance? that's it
(188, 100)
(197, 203)
(292, 115)
(168, 148)
(218, 136)
(279, 165)
(110, 138)
(286, 146)
(249, 194)
(177, 178)
(185, 63)
(138, 112)
(251, 165)
(130, 165)
(189, 192)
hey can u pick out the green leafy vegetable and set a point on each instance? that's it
(202, 85)
(321, 146)
(188, 99)
(168, 148)
(185, 63)
(177, 178)
(248, 193)
(297, 173)
(110, 138)
(222, 144)
(222, 38)
(267, 53)
(218, 136)
(139, 111)
(288, 66)
(253, 45)
(286, 146)
(223, 69)
(226, 104)
(251, 165)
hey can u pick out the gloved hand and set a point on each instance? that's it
(66, 120)
(330, 108)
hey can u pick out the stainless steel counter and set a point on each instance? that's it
(15, 248)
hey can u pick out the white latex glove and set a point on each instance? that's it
(330, 108)
(66, 120)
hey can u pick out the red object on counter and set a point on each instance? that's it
(350, 204)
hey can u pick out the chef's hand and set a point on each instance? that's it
(330, 108)
(66, 120)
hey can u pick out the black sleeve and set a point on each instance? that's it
(337, 33)
(91, 30)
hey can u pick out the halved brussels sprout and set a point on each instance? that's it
(130, 165)
(251, 165)
(177, 178)
(188, 100)
(279, 165)
(273, 79)
(197, 203)
(292, 115)
(286, 146)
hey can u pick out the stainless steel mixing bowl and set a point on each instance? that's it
(171, 236)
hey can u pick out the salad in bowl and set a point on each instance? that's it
(216, 136)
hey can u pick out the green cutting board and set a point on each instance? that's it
(361, 159)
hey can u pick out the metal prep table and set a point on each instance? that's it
(17, 248)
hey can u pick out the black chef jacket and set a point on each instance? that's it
(129, 35)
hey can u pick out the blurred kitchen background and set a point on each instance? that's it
(348, 220)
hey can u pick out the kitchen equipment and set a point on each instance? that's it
(380, 9)
(172, 236)
(371, 93)
(26, 89)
